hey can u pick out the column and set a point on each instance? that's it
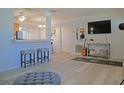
(48, 15)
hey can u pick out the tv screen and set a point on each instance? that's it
(99, 27)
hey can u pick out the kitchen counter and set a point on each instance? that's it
(30, 41)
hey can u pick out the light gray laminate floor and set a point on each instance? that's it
(71, 72)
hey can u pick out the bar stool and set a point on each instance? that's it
(27, 57)
(42, 54)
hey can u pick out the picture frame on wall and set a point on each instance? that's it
(81, 30)
(80, 33)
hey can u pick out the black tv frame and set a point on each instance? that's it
(101, 24)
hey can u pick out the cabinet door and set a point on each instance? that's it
(16, 28)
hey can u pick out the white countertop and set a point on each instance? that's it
(30, 41)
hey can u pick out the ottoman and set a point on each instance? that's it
(39, 78)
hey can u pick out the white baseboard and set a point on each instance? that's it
(7, 69)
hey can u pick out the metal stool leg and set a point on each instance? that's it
(24, 61)
(44, 56)
(37, 56)
(30, 58)
(41, 57)
(48, 55)
(21, 60)
(34, 58)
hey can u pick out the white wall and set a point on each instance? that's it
(115, 38)
(67, 38)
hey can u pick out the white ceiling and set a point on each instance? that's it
(61, 14)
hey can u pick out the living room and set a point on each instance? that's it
(68, 43)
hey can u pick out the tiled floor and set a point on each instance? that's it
(72, 72)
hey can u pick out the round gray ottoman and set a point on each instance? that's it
(38, 78)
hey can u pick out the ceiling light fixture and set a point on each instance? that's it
(40, 26)
(44, 26)
(22, 18)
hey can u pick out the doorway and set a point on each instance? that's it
(56, 40)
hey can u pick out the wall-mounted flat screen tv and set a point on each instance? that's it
(99, 27)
